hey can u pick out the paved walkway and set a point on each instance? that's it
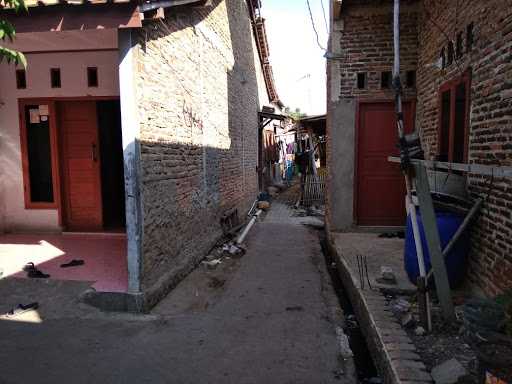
(269, 317)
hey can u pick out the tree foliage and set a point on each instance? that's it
(294, 115)
(8, 33)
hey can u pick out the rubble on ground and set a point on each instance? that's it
(449, 372)
(445, 342)
(387, 276)
(226, 251)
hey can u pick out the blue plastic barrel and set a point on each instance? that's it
(447, 224)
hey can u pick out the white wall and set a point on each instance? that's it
(73, 67)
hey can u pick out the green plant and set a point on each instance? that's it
(8, 33)
(295, 115)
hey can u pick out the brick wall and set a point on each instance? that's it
(362, 42)
(366, 46)
(490, 125)
(198, 98)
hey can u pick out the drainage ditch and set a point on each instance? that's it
(365, 367)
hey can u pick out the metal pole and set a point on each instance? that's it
(467, 220)
(404, 155)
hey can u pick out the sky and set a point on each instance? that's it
(296, 58)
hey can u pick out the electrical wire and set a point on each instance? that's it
(435, 24)
(325, 16)
(314, 27)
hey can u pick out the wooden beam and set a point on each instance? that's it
(477, 169)
(155, 14)
(67, 17)
(428, 218)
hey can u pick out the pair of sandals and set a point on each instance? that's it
(22, 308)
(33, 272)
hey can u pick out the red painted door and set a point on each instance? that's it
(380, 187)
(80, 166)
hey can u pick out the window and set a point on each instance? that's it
(55, 77)
(453, 120)
(361, 80)
(37, 151)
(469, 37)
(410, 79)
(21, 79)
(444, 138)
(449, 59)
(92, 76)
(442, 56)
(385, 80)
(459, 46)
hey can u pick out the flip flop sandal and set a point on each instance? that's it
(73, 263)
(37, 274)
(23, 308)
(29, 267)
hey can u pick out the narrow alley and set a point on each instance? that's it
(270, 316)
(255, 191)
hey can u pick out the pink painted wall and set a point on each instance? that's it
(73, 67)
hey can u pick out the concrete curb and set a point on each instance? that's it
(141, 302)
(392, 350)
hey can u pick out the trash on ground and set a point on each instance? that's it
(263, 205)
(295, 308)
(344, 344)
(407, 320)
(313, 222)
(387, 275)
(392, 235)
(400, 306)
(211, 264)
(449, 372)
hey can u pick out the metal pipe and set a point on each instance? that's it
(403, 147)
(477, 169)
(463, 226)
(246, 230)
(401, 134)
(467, 220)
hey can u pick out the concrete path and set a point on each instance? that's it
(269, 317)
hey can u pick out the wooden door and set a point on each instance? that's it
(380, 187)
(82, 207)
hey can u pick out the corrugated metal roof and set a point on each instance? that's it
(44, 3)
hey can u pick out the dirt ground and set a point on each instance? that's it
(446, 341)
(270, 316)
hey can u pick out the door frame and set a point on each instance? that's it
(56, 141)
(359, 103)
(54, 147)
